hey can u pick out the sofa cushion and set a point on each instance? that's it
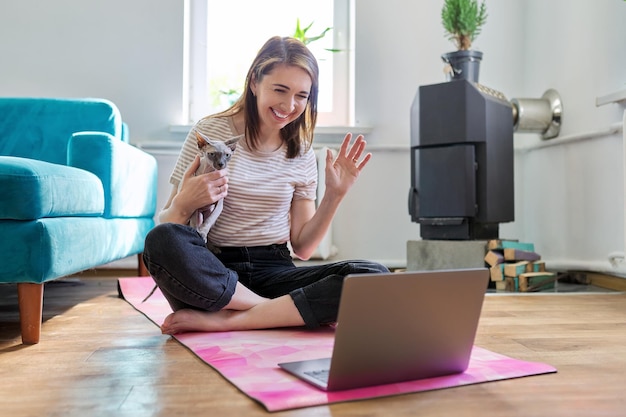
(39, 128)
(128, 174)
(54, 247)
(35, 189)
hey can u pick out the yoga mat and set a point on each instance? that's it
(248, 359)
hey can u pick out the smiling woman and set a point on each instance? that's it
(217, 28)
(269, 205)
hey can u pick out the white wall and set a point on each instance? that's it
(570, 196)
(127, 51)
(131, 52)
(577, 47)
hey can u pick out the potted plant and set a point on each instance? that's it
(463, 21)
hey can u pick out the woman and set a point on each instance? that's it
(269, 191)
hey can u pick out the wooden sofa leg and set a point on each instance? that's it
(30, 300)
(142, 271)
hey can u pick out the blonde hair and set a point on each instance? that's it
(298, 135)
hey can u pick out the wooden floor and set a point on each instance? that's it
(99, 357)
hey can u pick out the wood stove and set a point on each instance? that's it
(461, 161)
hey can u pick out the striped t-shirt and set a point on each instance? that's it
(261, 187)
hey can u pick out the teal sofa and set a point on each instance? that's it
(74, 194)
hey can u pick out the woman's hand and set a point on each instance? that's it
(308, 224)
(194, 192)
(343, 172)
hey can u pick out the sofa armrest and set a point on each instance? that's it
(128, 174)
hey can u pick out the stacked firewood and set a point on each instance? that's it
(516, 267)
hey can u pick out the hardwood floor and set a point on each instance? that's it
(99, 357)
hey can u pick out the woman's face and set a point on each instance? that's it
(281, 96)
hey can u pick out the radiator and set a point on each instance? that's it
(326, 249)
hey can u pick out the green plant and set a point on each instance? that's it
(231, 95)
(301, 34)
(463, 21)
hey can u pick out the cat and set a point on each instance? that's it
(214, 155)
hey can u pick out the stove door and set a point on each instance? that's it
(447, 181)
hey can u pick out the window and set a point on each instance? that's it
(223, 38)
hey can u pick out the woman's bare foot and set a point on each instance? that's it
(195, 320)
(274, 313)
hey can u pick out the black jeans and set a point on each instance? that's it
(191, 276)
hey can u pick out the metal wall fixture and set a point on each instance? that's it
(538, 115)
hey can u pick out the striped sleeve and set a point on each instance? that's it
(307, 189)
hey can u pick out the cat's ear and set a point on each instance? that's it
(232, 142)
(201, 140)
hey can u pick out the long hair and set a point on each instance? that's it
(298, 135)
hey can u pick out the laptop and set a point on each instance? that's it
(402, 326)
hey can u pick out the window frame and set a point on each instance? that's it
(195, 57)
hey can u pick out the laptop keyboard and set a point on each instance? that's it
(321, 375)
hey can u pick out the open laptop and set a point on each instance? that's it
(398, 327)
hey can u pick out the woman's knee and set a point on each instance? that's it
(164, 247)
(166, 237)
(366, 267)
(159, 234)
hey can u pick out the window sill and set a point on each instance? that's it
(342, 130)
(318, 130)
(325, 134)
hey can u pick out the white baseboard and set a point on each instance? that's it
(125, 263)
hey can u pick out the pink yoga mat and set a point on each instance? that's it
(249, 359)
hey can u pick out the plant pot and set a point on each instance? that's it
(464, 65)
